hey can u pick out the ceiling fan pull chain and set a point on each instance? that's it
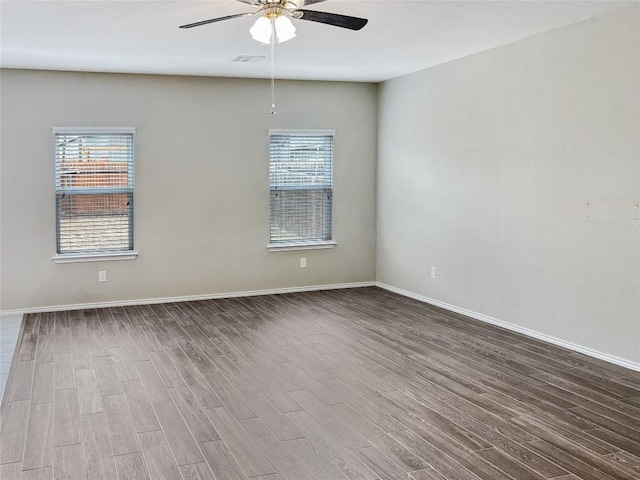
(273, 81)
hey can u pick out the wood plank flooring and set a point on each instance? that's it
(335, 385)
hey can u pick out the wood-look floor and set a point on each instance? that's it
(345, 384)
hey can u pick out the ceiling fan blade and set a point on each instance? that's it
(304, 3)
(344, 21)
(290, 4)
(219, 19)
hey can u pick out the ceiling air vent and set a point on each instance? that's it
(248, 58)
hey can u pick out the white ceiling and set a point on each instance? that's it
(143, 36)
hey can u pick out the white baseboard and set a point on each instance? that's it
(516, 328)
(188, 298)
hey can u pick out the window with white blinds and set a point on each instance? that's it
(301, 187)
(94, 191)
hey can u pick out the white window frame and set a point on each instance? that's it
(304, 245)
(96, 256)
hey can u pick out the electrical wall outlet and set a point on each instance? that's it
(102, 276)
(303, 262)
(433, 272)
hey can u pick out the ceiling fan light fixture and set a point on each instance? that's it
(284, 29)
(261, 30)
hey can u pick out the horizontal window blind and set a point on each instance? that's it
(94, 192)
(301, 187)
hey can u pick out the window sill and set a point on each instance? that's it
(94, 257)
(285, 247)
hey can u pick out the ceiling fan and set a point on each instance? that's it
(274, 15)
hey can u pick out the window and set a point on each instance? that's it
(301, 188)
(94, 191)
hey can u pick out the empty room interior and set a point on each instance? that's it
(320, 240)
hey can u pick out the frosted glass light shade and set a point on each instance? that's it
(261, 30)
(284, 29)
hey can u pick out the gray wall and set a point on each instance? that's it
(202, 195)
(516, 172)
